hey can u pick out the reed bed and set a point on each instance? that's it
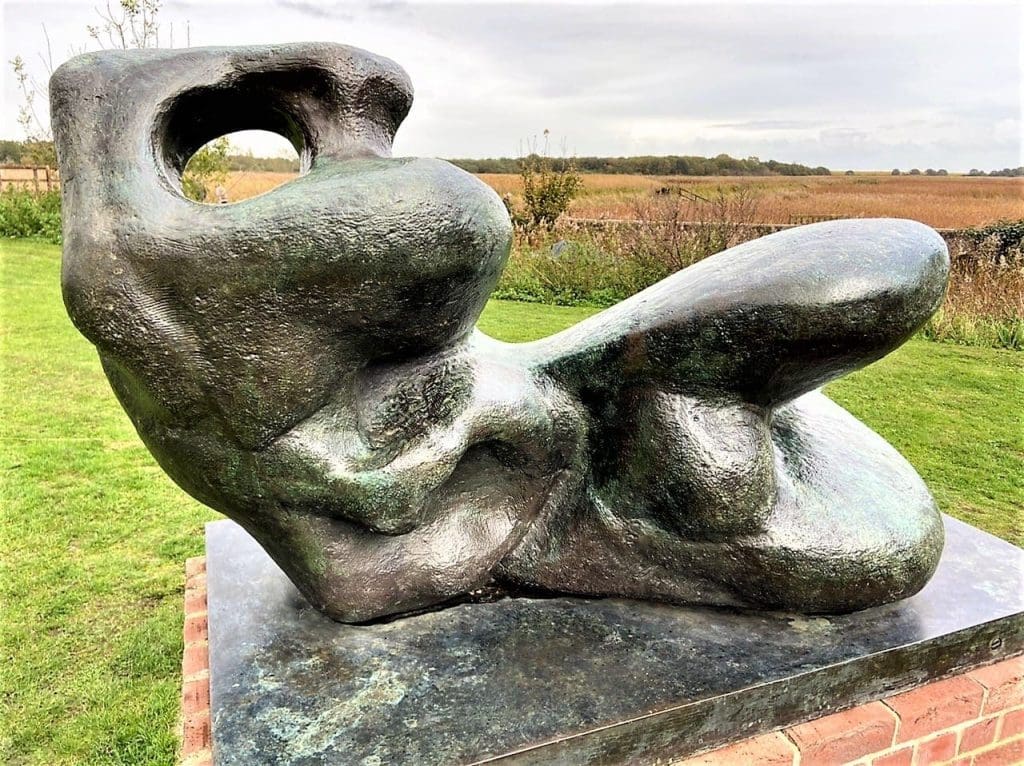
(941, 201)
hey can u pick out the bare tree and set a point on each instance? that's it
(134, 24)
(681, 227)
(549, 186)
(123, 25)
(126, 24)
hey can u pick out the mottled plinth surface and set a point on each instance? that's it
(570, 680)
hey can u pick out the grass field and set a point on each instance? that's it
(93, 536)
(941, 201)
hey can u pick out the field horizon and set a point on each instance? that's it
(945, 202)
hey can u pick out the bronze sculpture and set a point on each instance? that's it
(306, 362)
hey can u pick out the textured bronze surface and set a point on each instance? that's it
(571, 681)
(306, 363)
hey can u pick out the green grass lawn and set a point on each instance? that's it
(93, 536)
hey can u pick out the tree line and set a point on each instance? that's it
(669, 165)
(41, 153)
(1005, 172)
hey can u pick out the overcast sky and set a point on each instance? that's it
(862, 86)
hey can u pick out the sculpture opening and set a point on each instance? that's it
(225, 170)
(306, 363)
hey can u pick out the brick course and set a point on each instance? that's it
(978, 735)
(196, 745)
(936, 706)
(1005, 685)
(938, 749)
(848, 736)
(902, 757)
(974, 719)
(774, 749)
(1013, 723)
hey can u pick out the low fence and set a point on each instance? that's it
(754, 230)
(33, 178)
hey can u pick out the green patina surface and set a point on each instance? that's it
(93, 535)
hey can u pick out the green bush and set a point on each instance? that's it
(576, 265)
(575, 274)
(970, 330)
(24, 214)
(1001, 242)
(547, 192)
(207, 167)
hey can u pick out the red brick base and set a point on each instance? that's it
(195, 671)
(975, 719)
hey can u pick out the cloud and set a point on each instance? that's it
(317, 10)
(769, 125)
(866, 86)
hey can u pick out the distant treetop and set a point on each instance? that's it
(247, 162)
(669, 165)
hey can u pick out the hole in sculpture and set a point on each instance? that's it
(240, 165)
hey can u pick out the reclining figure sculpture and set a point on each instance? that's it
(306, 363)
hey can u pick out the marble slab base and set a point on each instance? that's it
(571, 681)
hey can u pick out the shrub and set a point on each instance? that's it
(585, 265)
(1001, 243)
(969, 330)
(579, 273)
(548, 188)
(24, 214)
(681, 230)
(984, 305)
(207, 167)
(600, 264)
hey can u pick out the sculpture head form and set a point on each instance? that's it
(306, 363)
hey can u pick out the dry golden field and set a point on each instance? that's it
(940, 201)
(244, 184)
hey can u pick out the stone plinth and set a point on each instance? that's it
(576, 681)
